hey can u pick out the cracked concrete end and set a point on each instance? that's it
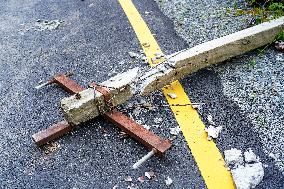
(80, 110)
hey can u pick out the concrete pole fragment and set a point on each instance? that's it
(123, 86)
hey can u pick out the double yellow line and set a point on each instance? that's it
(207, 156)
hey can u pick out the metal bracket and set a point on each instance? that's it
(133, 129)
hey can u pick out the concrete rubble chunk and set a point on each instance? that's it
(233, 157)
(175, 130)
(168, 181)
(213, 132)
(250, 157)
(246, 174)
(172, 95)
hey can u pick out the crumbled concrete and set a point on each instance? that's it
(233, 157)
(250, 157)
(168, 181)
(175, 130)
(172, 95)
(246, 174)
(213, 132)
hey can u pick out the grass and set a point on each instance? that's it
(263, 10)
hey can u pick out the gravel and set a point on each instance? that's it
(252, 81)
(197, 21)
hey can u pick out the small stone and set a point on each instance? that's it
(150, 174)
(133, 54)
(141, 179)
(172, 95)
(147, 12)
(213, 132)
(144, 58)
(128, 179)
(175, 131)
(210, 120)
(159, 55)
(196, 106)
(132, 186)
(279, 45)
(158, 120)
(168, 181)
(146, 127)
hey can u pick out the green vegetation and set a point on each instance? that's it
(263, 10)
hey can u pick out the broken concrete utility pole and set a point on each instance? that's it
(123, 86)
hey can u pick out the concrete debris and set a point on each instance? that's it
(144, 58)
(175, 131)
(133, 54)
(172, 95)
(213, 132)
(141, 179)
(128, 179)
(132, 186)
(246, 174)
(196, 106)
(140, 56)
(168, 181)
(91, 5)
(250, 157)
(150, 174)
(159, 55)
(146, 127)
(42, 25)
(51, 147)
(233, 157)
(279, 45)
(210, 120)
(158, 120)
(137, 111)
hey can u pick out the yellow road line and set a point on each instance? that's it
(207, 156)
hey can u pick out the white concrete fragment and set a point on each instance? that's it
(146, 127)
(150, 174)
(248, 176)
(175, 130)
(172, 95)
(133, 55)
(213, 132)
(233, 157)
(210, 120)
(250, 157)
(128, 179)
(168, 181)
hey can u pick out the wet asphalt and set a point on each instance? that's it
(93, 41)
